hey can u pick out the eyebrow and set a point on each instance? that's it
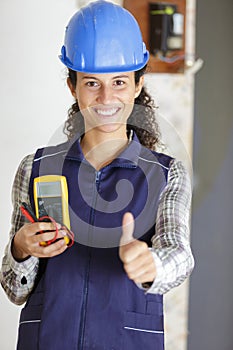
(116, 77)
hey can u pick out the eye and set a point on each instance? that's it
(119, 83)
(92, 84)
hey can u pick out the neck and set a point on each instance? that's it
(101, 148)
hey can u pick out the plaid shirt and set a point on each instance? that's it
(170, 244)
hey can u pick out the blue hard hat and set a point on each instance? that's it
(103, 38)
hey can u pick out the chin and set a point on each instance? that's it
(111, 127)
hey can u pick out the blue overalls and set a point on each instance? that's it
(83, 299)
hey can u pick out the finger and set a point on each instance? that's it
(145, 277)
(50, 237)
(145, 273)
(67, 236)
(132, 251)
(44, 237)
(142, 262)
(41, 226)
(127, 229)
(51, 250)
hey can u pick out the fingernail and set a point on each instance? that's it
(62, 242)
(63, 232)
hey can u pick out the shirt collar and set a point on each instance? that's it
(127, 158)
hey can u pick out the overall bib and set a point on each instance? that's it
(83, 299)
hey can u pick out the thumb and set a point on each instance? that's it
(127, 228)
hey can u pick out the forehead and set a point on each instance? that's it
(105, 76)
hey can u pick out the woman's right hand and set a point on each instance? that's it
(27, 240)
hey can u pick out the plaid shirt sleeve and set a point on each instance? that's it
(171, 243)
(17, 278)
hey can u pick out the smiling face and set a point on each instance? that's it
(106, 100)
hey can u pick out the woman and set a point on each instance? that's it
(128, 204)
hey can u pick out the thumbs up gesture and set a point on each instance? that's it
(137, 259)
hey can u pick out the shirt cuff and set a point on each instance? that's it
(154, 287)
(23, 268)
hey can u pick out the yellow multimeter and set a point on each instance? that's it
(51, 198)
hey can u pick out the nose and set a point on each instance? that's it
(105, 95)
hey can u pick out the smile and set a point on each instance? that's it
(107, 112)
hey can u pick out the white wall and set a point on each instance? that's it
(34, 101)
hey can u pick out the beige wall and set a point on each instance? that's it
(174, 94)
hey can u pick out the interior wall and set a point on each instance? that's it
(211, 306)
(34, 103)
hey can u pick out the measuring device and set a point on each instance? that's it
(51, 198)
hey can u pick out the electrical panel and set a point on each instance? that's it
(166, 28)
(163, 29)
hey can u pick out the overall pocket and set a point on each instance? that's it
(29, 325)
(143, 331)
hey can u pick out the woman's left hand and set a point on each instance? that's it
(136, 257)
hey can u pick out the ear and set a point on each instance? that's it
(139, 86)
(71, 87)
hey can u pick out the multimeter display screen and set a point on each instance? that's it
(49, 200)
(49, 189)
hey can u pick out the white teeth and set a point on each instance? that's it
(107, 112)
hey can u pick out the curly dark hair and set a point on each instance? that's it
(142, 119)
